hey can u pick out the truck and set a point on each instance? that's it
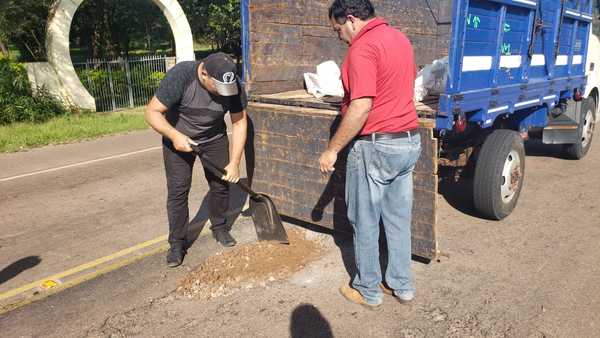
(518, 70)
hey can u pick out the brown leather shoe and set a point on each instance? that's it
(386, 290)
(355, 297)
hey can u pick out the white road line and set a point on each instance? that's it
(79, 164)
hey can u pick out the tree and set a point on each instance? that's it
(23, 24)
(3, 35)
(197, 14)
(115, 27)
(224, 22)
(105, 27)
(217, 22)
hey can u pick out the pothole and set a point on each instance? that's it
(250, 266)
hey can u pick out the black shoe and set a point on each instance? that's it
(224, 238)
(175, 256)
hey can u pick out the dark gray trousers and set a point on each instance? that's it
(178, 167)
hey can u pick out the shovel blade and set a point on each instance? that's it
(266, 220)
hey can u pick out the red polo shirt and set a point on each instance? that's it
(380, 64)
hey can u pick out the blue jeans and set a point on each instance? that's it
(379, 187)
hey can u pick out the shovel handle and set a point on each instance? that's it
(219, 170)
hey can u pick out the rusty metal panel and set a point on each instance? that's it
(290, 37)
(287, 141)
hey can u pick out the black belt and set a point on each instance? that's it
(384, 136)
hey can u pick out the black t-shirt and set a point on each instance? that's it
(192, 109)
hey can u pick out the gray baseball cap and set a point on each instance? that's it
(222, 69)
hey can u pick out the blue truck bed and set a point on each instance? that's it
(514, 65)
(514, 58)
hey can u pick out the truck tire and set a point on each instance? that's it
(587, 120)
(499, 174)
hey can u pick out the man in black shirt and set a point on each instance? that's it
(189, 107)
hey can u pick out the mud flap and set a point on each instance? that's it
(564, 129)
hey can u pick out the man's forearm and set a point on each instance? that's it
(352, 123)
(158, 122)
(239, 134)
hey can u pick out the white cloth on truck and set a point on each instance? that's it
(432, 79)
(326, 82)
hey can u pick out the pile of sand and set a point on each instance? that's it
(249, 266)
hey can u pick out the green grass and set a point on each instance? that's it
(14, 53)
(68, 129)
(202, 46)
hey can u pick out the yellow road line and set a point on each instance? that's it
(83, 267)
(83, 278)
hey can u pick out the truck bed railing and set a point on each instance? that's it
(510, 55)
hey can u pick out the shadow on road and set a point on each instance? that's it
(237, 200)
(457, 191)
(537, 148)
(307, 321)
(17, 267)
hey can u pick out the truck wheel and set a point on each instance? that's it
(587, 123)
(499, 174)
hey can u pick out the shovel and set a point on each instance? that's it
(264, 214)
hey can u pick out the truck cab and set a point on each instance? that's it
(592, 89)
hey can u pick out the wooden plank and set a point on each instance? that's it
(287, 141)
(279, 72)
(306, 177)
(293, 94)
(274, 86)
(301, 98)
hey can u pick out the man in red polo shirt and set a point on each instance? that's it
(379, 122)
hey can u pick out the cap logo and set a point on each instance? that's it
(228, 77)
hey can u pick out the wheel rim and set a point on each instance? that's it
(511, 176)
(588, 129)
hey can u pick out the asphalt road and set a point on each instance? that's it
(56, 220)
(535, 274)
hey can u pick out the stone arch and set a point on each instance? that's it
(59, 57)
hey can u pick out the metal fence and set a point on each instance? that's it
(122, 83)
